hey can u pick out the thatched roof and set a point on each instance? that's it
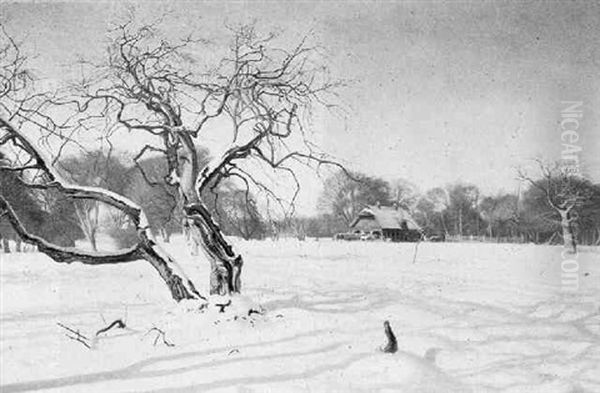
(387, 217)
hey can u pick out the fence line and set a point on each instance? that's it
(485, 239)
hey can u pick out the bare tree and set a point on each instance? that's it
(23, 109)
(238, 212)
(345, 195)
(500, 212)
(158, 199)
(99, 169)
(464, 199)
(405, 194)
(151, 86)
(439, 199)
(566, 193)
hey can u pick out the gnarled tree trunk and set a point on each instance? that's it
(225, 264)
(146, 248)
(179, 285)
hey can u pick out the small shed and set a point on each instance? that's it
(390, 222)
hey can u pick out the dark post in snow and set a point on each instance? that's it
(392, 343)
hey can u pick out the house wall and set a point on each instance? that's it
(399, 235)
(368, 225)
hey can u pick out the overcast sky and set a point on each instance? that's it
(441, 91)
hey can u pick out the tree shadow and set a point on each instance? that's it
(255, 380)
(335, 302)
(136, 370)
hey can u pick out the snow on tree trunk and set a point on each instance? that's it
(566, 223)
(226, 265)
(179, 285)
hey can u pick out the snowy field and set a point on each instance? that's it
(491, 318)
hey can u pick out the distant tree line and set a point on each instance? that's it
(35, 210)
(462, 210)
(457, 210)
(142, 182)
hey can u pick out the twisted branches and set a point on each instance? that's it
(67, 254)
(563, 191)
(151, 85)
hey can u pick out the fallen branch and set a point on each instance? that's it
(76, 336)
(160, 334)
(223, 306)
(118, 323)
(253, 311)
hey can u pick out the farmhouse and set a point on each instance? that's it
(389, 222)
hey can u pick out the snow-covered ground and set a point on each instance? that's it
(495, 316)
